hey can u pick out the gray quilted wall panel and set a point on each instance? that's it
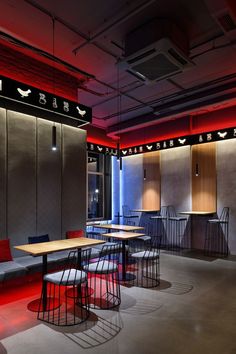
(73, 179)
(21, 177)
(3, 180)
(48, 181)
(42, 191)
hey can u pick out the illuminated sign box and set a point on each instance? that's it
(31, 96)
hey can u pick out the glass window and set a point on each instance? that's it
(95, 162)
(95, 196)
(95, 186)
(99, 186)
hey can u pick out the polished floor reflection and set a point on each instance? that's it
(192, 311)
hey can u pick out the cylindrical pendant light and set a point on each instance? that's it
(144, 174)
(54, 138)
(196, 170)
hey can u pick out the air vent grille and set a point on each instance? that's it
(141, 56)
(156, 67)
(227, 22)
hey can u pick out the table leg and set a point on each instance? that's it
(79, 263)
(44, 271)
(123, 260)
(123, 276)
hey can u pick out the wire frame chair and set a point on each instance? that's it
(217, 234)
(103, 278)
(147, 268)
(128, 217)
(62, 310)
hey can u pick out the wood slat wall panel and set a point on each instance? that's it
(152, 184)
(204, 185)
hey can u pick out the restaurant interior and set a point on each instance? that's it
(117, 176)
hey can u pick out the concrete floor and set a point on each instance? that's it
(192, 312)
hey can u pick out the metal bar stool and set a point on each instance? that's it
(175, 229)
(147, 269)
(128, 217)
(160, 225)
(217, 233)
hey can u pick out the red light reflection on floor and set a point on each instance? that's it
(13, 290)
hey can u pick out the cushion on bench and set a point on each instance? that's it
(5, 251)
(11, 270)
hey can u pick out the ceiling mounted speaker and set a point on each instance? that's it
(155, 51)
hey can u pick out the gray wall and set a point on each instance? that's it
(42, 191)
(176, 178)
(226, 185)
(176, 185)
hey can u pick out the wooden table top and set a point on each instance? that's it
(123, 235)
(198, 212)
(92, 223)
(38, 249)
(119, 227)
(145, 210)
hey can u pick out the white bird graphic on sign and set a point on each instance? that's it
(149, 147)
(80, 111)
(222, 135)
(24, 93)
(182, 141)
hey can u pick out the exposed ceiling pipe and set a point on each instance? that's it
(148, 120)
(69, 26)
(114, 24)
(54, 59)
(167, 100)
(84, 36)
(113, 97)
(121, 92)
(87, 38)
(69, 67)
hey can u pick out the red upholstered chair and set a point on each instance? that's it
(75, 233)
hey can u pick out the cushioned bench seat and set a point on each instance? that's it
(32, 264)
(28, 264)
(1, 276)
(58, 256)
(21, 266)
(11, 269)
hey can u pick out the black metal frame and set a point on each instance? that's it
(104, 279)
(217, 234)
(147, 269)
(59, 309)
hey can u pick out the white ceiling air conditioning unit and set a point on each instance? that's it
(155, 51)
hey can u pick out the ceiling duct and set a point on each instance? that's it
(155, 51)
(224, 12)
